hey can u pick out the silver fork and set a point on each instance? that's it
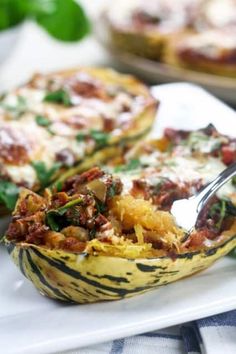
(186, 211)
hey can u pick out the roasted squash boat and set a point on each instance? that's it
(108, 233)
(142, 27)
(198, 35)
(213, 51)
(51, 124)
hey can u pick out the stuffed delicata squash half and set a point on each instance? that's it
(55, 121)
(143, 28)
(186, 34)
(108, 233)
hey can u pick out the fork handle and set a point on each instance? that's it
(204, 196)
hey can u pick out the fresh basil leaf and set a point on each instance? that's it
(101, 138)
(42, 121)
(59, 96)
(11, 13)
(8, 194)
(35, 8)
(66, 21)
(43, 173)
(133, 164)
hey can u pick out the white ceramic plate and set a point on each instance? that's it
(31, 323)
(153, 71)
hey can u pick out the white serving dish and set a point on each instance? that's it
(8, 41)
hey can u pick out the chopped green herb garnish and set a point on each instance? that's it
(101, 138)
(53, 217)
(42, 121)
(112, 190)
(170, 163)
(43, 173)
(222, 209)
(59, 186)
(80, 137)
(64, 208)
(18, 109)
(222, 214)
(8, 194)
(101, 207)
(53, 221)
(59, 96)
(92, 233)
(218, 210)
(160, 183)
(133, 164)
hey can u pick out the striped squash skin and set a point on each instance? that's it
(83, 278)
(147, 45)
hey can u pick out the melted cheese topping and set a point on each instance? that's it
(220, 13)
(171, 15)
(210, 43)
(44, 129)
(187, 169)
(177, 169)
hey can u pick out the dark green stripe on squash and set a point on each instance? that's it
(138, 275)
(77, 275)
(109, 277)
(147, 268)
(21, 262)
(10, 247)
(37, 272)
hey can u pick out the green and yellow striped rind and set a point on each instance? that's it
(84, 278)
(145, 44)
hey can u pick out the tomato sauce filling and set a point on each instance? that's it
(97, 205)
(14, 146)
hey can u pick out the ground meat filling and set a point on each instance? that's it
(79, 211)
(84, 86)
(96, 204)
(222, 146)
(164, 193)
